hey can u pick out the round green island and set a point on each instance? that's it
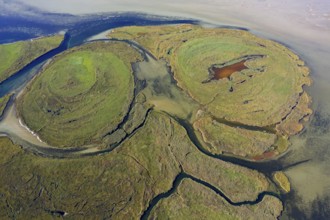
(249, 90)
(83, 94)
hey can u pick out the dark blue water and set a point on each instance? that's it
(85, 29)
(77, 34)
(26, 73)
(18, 28)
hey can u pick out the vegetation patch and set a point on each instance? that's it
(119, 185)
(234, 76)
(82, 95)
(3, 103)
(194, 201)
(246, 99)
(221, 138)
(262, 94)
(282, 180)
(15, 56)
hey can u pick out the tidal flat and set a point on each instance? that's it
(129, 98)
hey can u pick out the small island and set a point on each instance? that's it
(82, 95)
(255, 107)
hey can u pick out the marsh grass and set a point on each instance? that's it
(238, 141)
(261, 95)
(268, 93)
(16, 55)
(118, 185)
(3, 103)
(195, 201)
(83, 94)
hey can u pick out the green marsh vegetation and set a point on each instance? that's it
(239, 141)
(81, 95)
(3, 103)
(195, 201)
(266, 96)
(105, 93)
(16, 55)
(121, 184)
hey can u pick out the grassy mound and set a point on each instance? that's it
(236, 77)
(16, 55)
(83, 94)
(261, 95)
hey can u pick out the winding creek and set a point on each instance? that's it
(179, 178)
(161, 91)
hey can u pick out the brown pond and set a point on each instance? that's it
(226, 71)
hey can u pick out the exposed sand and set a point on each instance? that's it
(11, 124)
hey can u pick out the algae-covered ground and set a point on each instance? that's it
(16, 55)
(252, 111)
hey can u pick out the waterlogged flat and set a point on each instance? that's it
(81, 95)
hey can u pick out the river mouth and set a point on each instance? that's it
(288, 159)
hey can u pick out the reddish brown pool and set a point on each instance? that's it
(227, 71)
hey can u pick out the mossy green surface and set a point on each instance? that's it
(195, 201)
(118, 185)
(15, 56)
(83, 94)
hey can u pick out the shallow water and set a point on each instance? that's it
(303, 25)
(162, 92)
(227, 71)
